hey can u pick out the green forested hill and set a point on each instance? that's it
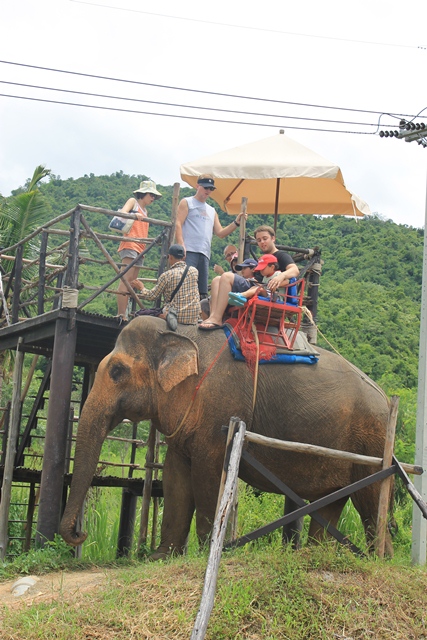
(371, 282)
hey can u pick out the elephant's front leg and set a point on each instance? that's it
(206, 476)
(178, 505)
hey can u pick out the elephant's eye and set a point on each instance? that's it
(117, 371)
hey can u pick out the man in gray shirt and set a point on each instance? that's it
(196, 223)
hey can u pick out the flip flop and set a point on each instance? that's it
(209, 326)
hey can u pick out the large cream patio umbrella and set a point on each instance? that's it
(277, 176)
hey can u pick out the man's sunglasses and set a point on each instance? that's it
(209, 188)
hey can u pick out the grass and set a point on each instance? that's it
(264, 592)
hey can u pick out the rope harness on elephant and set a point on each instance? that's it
(196, 390)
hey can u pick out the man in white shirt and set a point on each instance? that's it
(196, 223)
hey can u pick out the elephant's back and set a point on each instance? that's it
(332, 387)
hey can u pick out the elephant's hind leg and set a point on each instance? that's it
(178, 505)
(331, 513)
(366, 502)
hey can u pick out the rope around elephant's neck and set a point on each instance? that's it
(373, 384)
(255, 332)
(202, 379)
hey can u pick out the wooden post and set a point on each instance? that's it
(29, 377)
(4, 423)
(30, 516)
(155, 517)
(218, 534)
(52, 478)
(42, 273)
(384, 499)
(169, 237)
(6, 489)
(233, 425)
(17, 284)
(128, 508)
(242, 230)
(146, 493)
(232, 528)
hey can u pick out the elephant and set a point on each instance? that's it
(188, 384)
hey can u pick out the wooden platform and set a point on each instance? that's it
(96, 334)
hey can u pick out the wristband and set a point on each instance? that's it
(236, 223)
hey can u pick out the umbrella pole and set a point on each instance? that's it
(276, 205)
(242, 230)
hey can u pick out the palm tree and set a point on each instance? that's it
(22, 213)
(19, 215)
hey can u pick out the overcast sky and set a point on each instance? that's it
(369, 56)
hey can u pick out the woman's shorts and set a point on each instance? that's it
(240, 284)
(130, 253)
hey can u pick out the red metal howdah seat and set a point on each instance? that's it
(276, 323)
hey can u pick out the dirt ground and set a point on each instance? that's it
(51, 587)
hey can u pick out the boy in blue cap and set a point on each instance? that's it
(221, 286)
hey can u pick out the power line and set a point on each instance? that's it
(188, 106)
(210, 93)
(169, 115)
(249, 28)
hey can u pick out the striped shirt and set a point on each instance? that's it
(186, 301)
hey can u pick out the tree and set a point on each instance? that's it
(25, 211)
(19, 215)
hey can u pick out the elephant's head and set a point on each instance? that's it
(144, 370)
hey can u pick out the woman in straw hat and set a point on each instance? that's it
(128, 248)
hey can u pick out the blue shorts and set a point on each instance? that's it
(240, 284)
(201, 263)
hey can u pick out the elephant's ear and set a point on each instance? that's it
(178, 359)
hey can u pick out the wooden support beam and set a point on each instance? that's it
(384, 499)
(218, 534)
(6, 489)
(52, 478)
(146, 494)
(301, 447)
(242, 230)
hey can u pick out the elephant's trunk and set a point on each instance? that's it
(90, 436)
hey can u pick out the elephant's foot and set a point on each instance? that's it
(163, 552)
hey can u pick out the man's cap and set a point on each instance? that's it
(249, 262)
(267, 258)
(177, 251)
(206, 182)
(148, 186)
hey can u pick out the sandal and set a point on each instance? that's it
(236, 299)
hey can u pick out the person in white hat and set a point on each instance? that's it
(128, 248)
